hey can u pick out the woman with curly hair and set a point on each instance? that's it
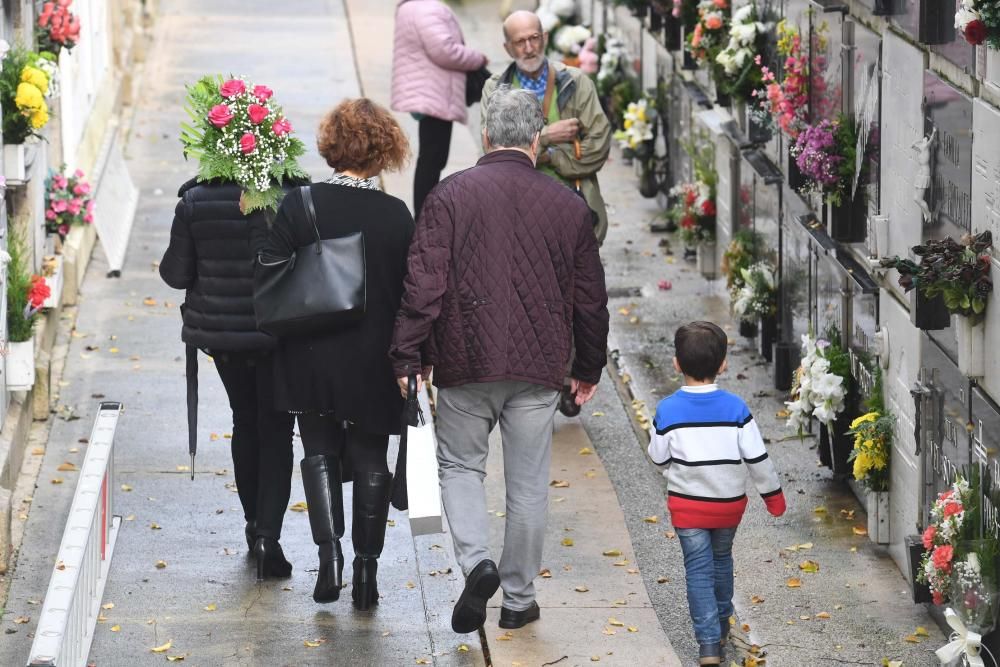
(340, 384)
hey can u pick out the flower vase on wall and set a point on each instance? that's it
(785, 363)
(877, 507)
(768, 332)
(706, 260)
(928, 314)
(835, 445)
(15, 166)
(848, 222)
(971, 340)
(936, 22)
(796, 181)
(748, 328)
(20, 365)
(914, 555)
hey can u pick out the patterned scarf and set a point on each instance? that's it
(537, 86)
(354, 182)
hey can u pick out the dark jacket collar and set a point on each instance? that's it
(505, 155)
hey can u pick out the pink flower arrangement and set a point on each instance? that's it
(787, 101)
(68, 202)
(58, 28)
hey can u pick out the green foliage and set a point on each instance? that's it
(846, 140)
(840, 360)
(19, 327)
(745, 247)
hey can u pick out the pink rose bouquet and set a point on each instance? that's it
(68, 202)
(239, 134)
(58, 28)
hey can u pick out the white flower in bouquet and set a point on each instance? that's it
(547, 18)
(564, 9)
(726, 60)
(637, 126)
(966, 15)
(743, 13)
(569, 39)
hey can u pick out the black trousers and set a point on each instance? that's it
(262, 439)
(432, 156)
(361, 452)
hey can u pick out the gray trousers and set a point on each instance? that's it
(465, 417)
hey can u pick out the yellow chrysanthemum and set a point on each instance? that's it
(628, 123)
(868, 417)
(40, 118)
(862, 464)
(37, 78)
(29, 97)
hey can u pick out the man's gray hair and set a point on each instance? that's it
(513, 117)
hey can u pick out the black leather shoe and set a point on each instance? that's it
(251, 534)
(512, 620)
(567, 403)
(470, 610)
(709, 654)
(270, 559)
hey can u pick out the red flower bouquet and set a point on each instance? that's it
(58, 28)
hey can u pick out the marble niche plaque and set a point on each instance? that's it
(949, 111)
(986, 168)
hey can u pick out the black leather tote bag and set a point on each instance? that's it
(319, 289)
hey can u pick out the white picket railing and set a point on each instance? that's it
(73, 602)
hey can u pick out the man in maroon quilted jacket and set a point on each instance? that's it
(504, 276)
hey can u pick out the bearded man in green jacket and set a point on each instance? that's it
(572, 112)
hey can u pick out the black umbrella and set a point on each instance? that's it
(192, 403)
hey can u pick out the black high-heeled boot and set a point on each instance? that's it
(250, 531)
(321, 479)
(371, 509)
(270, 558)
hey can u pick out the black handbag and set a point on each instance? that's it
(319, 289)
(474, 82)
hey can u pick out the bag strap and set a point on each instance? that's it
(305, 192)
(550, 86)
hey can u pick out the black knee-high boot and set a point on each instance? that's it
(371, 509)
(321, 479)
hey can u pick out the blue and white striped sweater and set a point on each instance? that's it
(709, 440)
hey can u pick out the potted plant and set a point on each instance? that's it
(25, 85)
(825, 154)
(58, 28)
(26, 295)
(871, 459)
(756, 299)
(820, 390)
(959, 274)
(68, 202)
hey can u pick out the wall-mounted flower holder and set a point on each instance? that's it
(848, 222)
(785, 362)
(748, 328)
(971, 346)
(19, 365)
(768, 333)
(15, 166)
(928, 314)
(877, 507)
(672, 33)
(914, 556)
(878, 236)
(796, 181)
(936, 22)
(706, 260)
(52, 271)
(835, 445)
(889, 7)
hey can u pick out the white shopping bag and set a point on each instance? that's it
(423, 490)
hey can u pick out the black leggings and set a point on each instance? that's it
(432, 157)
(364, 452)
(262, 440)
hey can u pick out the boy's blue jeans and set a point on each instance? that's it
(708, 562)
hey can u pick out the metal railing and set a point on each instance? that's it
(73, 602)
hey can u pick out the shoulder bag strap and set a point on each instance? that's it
(307, 203)
(550, 86)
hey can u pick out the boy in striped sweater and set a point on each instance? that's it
(709, 441)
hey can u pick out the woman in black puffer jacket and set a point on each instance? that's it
(209, 256)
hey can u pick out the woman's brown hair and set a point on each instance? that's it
(363, 137)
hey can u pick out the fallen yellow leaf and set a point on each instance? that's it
(559, 484)
(505, 637)
(160, 564)
(183, 468)
(21, 620)
(794, 582)
(823, 615)
(586, 451)
(114, 628)
(545, 574)
(149, 301)
(913, 639)
(620, 563)
(609, 632)
(819, 510)
(567, 541)
(211, 607)
(163, 648)
(109, 605)
(612, 553)
(632, 628)
(809, 566)
(176, 658)
(581, 589)
(860, 530)
(299, 507)
(670, 534)
(662, 580)
(615, 622)
(126, 488)
(410, 585)
(423, 661)
(921, 631)
(595, 658)
(597, 413)
(57, 480)
(66, 467)
(756, 599)
(154, 526)
(463, 648)
(651, 519)
(314, 643)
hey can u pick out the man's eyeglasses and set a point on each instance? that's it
(535, 40)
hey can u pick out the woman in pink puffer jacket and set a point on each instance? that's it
(429, 64)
